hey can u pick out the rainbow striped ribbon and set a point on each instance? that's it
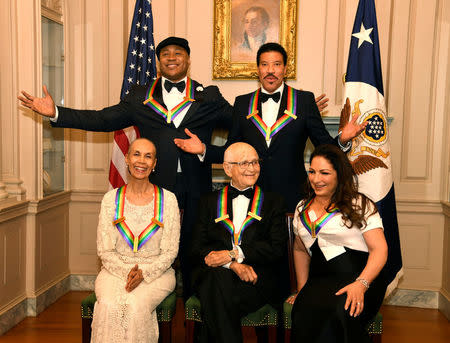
(314, 227)
(288, 116)
(252, 215)
(134, 242)
(170, 115)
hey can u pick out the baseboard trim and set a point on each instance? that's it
(444, 304)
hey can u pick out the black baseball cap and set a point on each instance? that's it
(173, 41)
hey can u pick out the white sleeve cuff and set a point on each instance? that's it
(227, 265)
(201, 157)
(55, 118)
(241, 256)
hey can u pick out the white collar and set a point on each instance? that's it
(231, 184)
(164, 79)
(279, 89)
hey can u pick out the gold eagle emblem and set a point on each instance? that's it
(362, 163)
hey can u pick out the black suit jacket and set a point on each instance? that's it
(263, 242)
(210, 110)
(282, 168)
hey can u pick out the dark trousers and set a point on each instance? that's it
(188, 202)
(225, 299)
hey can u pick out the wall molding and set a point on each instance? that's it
(419, 206)
(86, 196)
(446, 208)
(49, 202)
(11, 208)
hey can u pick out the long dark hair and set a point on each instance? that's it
(346, 195)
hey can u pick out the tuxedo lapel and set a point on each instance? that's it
(261, 139)
(157, 94)
(189, 116)
(282, 108)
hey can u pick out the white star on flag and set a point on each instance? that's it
(363, 35)
(141, 55)
(147, 15)
(130, 80)
(143, 41)
(134, 52)
(138, 24)
(145, 27)
(136, 38)
(132, 66)
(151, 47)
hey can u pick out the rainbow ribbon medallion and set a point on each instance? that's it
(253, 214)
(170, 115)
(288, 116)
(136, 242)
(313, 227)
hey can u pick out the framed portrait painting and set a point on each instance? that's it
(242, 26)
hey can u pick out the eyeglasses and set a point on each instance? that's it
(246, 164)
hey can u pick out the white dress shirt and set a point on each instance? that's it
(334, 235)
(240, 210)
(270, 109)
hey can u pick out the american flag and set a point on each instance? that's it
(370, 154)
(140, 69)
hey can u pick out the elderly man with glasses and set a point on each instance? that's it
(238, 243)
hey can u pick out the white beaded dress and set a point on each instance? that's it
(121, 316)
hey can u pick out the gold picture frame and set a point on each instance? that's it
(228, 61)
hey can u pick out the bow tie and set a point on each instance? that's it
(179, 85)
(233, 192)
(275, 96)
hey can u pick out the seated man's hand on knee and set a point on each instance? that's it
(245, 272)
(217, 258)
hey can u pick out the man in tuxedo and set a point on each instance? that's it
(277, 120)
(152, 108)
(238, 242)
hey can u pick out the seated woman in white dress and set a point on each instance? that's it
(339, 251)
(137, 242)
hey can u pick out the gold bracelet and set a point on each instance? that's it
(363, 281)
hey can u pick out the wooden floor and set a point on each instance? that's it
(61, 323)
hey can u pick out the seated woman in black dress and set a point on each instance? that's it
(339, 251)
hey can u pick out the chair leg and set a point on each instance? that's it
(287, 335)
(189, 335)
(376, 338)
(86, 330)
(165, 332)
(266, 334)
(272, 334)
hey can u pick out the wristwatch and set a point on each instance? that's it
(232, 255)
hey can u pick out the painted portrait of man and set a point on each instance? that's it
(253, 23)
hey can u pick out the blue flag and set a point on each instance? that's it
(370, 155)
(140, 68)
